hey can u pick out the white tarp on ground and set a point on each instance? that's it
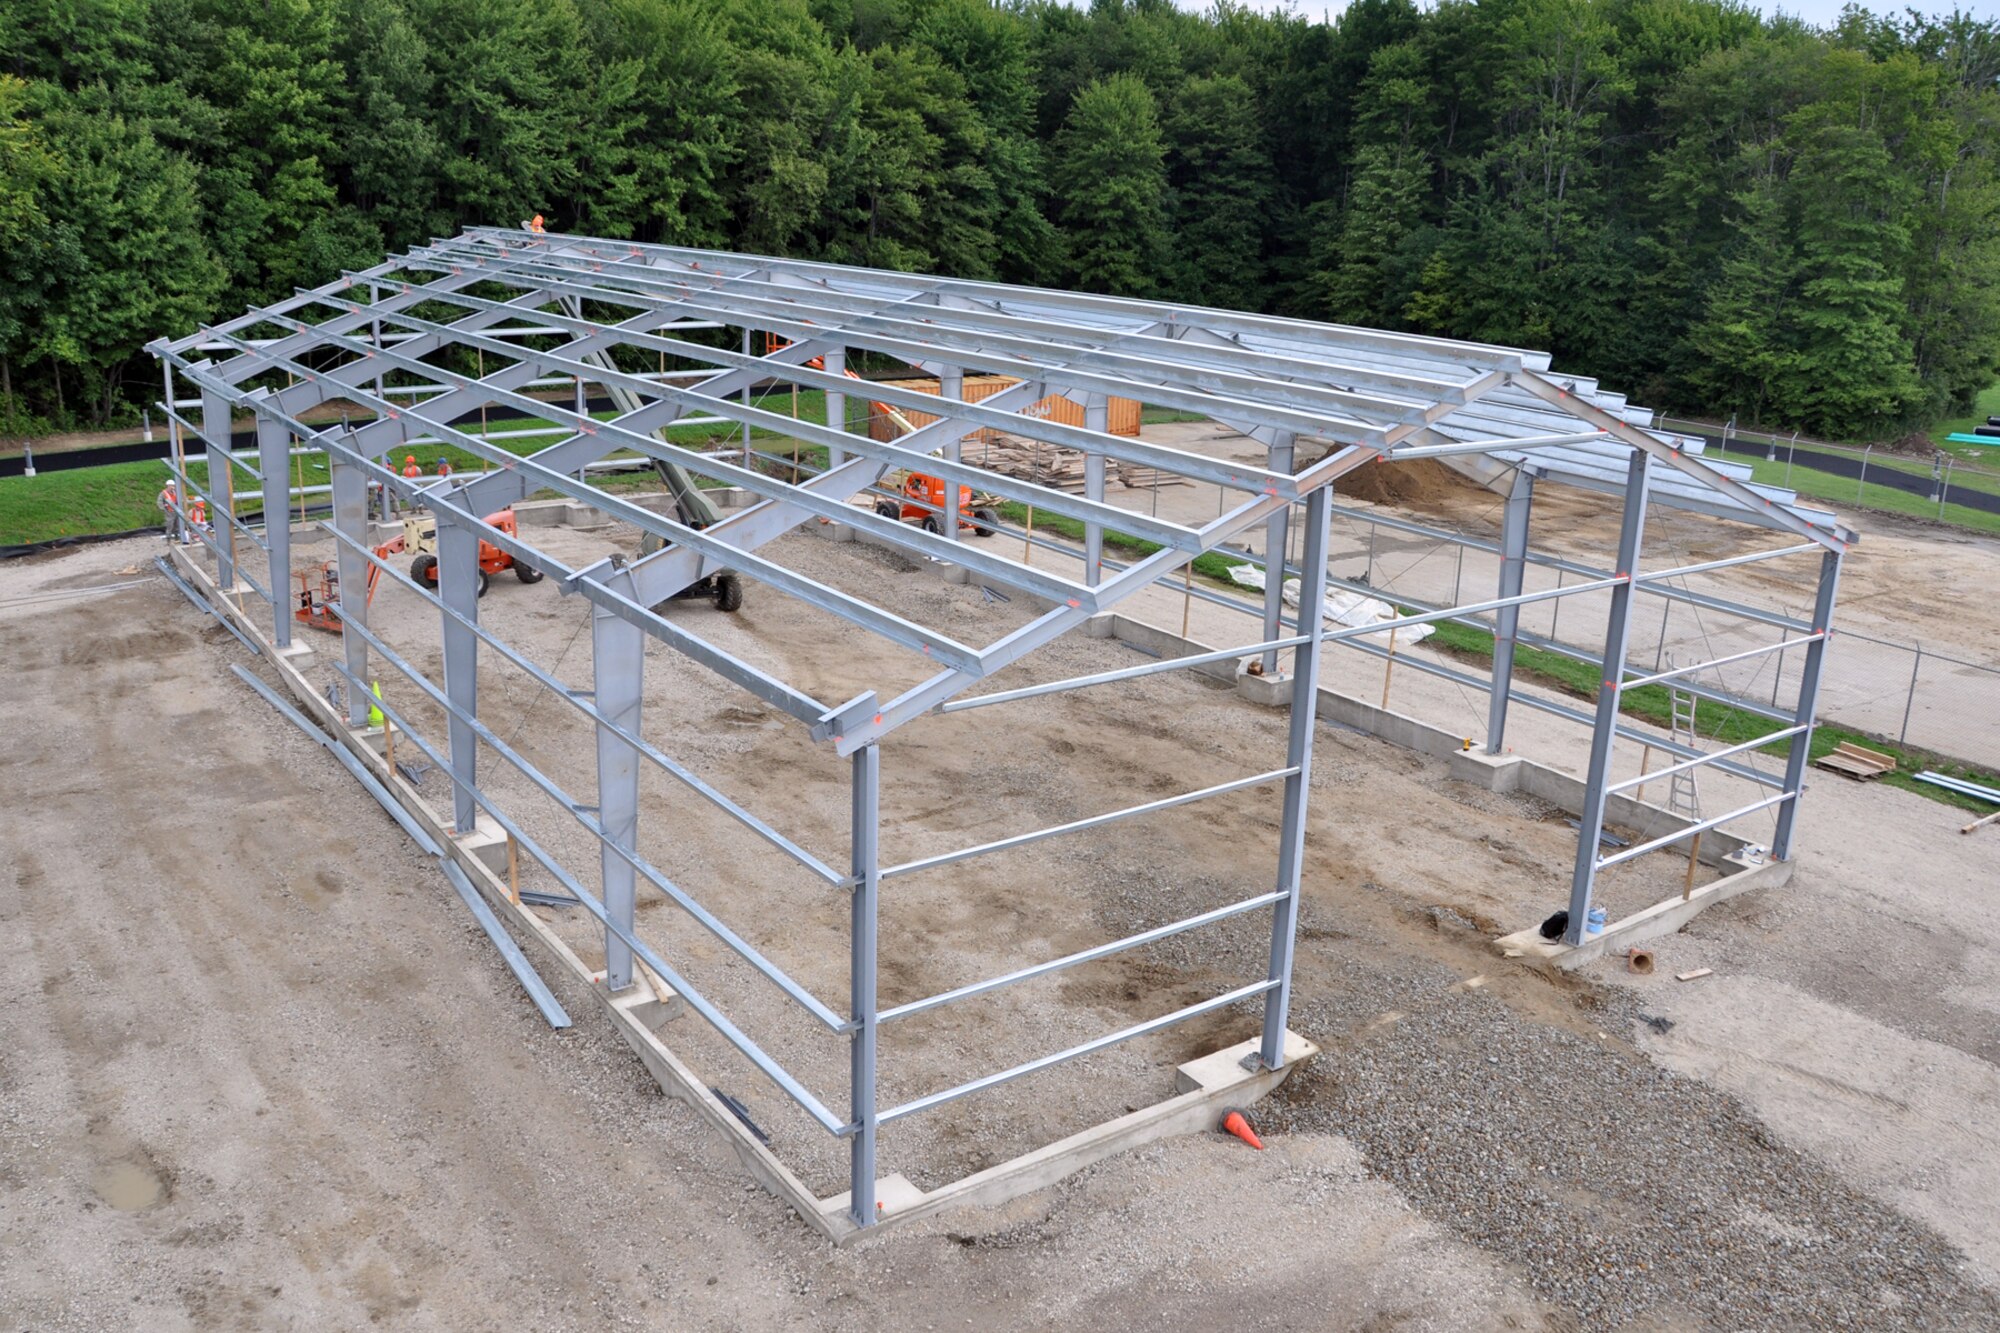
(1341, 607)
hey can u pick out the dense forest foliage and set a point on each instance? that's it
(1709, 209)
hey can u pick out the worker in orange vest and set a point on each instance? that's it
(169, 505)
(197, 519)
(410, 468)
(444, 466)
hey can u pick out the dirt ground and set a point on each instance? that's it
(264, 1072)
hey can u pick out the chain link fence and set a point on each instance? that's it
(1918, 697)
(1943, 485)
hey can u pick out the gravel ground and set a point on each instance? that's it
(1628, 1194)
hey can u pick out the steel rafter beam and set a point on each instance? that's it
(611, 435)
(869, 616)
(1836, 538)
(916, 341)
(1221, 472)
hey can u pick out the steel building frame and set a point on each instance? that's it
(384, 341)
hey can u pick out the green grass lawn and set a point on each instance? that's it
(82, 501)
(1987, 405)
(1818, 485)
(120, 497)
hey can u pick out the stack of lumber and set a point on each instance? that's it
(1150, 478)
(1856, 762)
(1030, 460)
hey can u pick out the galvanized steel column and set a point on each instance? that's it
(861, 980)
(835, 363)
(350, 517)
(458, 585)
(1617, 634)
(618, 650)
(1298, 755)
(951, 384)
(1276, 535)
(221, 485)
(1096, 417)
(746, 399)
(274, 445)
(1507, 624)
(1809, 677)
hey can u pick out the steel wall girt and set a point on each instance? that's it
(1221, 472)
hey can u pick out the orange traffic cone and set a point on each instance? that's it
(1234, 1123)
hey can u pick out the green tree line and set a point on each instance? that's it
(1714, 210)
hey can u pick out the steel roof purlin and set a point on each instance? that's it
(1367, 394)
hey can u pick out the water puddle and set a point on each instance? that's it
(129, 1186)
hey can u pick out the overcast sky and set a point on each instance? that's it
(1820, 13)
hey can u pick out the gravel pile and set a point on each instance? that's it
(1625, 1192)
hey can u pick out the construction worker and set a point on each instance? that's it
(169, 505)
(411, 472)
(534, 225)
(197, 519)
(444, 466)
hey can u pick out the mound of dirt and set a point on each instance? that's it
(1422, 483)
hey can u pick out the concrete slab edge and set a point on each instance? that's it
(1200, 1108)
(1662, 918)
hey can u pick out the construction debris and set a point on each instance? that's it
(1696, 975)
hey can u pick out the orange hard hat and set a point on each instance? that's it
(409, 458)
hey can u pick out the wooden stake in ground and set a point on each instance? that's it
(1028, 542)
(1187, 595)
(1694, 852)
(1388, 667)
(389, 746)
(1645, 762)
(513, 871)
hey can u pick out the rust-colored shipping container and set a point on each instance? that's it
(1122, 418)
